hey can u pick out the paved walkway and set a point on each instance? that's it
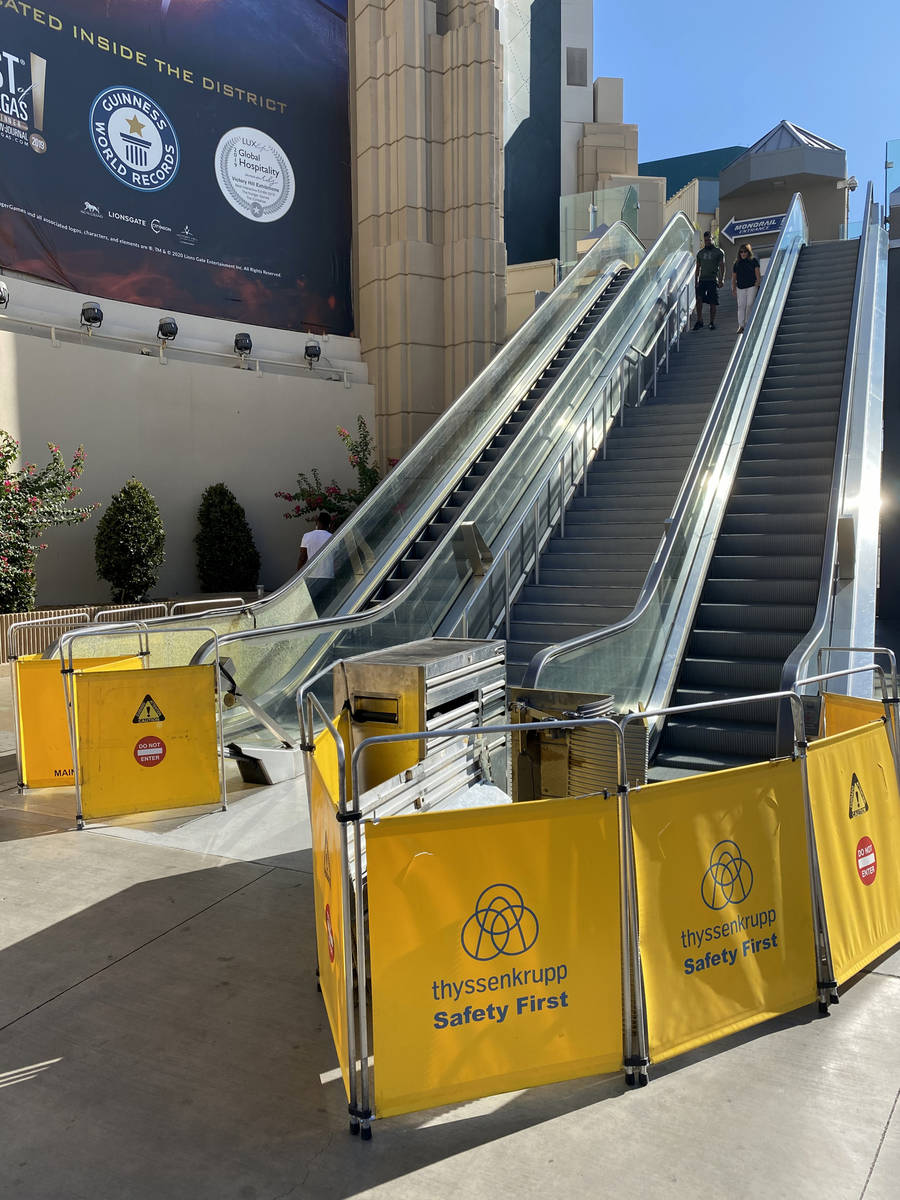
(161, 1038)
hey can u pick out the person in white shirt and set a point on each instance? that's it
(310, 545)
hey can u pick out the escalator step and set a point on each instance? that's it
(794, 618)
(758, 711)
(734, 738)
(787, 521)
(745, 566)
(751, 503)
(761, 591)
(784, 484)
(759, 544)
(749, 675)
(742, 643)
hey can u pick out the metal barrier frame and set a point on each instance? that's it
(636, 1059)
(13, 659)
(361, 1113)
(115, 613)
(824, 653)
(67, 641)
(887, 703)
(825, 981)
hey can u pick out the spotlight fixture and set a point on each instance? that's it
(168, 329)
(91, 315)
(312, 353)
(243, 343)
(4, 294)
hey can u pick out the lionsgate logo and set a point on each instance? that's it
(91, 210)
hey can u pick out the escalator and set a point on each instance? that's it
(771, 554)
(589, 402)
(593, 568)
(479, 470)
(762, 585)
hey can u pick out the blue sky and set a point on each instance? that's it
(697, 77)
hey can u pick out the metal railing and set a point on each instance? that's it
(800, 656)
(635, 375)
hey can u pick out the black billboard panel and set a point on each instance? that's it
(184, 154)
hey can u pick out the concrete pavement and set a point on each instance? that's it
(161, 1038)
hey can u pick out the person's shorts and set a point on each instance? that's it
(707, 292)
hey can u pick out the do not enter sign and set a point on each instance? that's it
(150, 751)
(866, 863)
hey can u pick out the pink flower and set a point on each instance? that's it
(392, 462)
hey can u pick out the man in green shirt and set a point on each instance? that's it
(709, 275)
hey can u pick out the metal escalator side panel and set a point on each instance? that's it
(414, 611)
(845, 607)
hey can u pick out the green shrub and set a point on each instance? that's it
(227, 558)
(130, 544)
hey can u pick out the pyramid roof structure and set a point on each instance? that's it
(786, 153)
(787, 136)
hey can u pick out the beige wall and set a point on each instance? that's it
(607, 148)
(179, 428)
(522, 281)
(824, 203)
(429, 258)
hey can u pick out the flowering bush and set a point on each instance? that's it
(313, 496)
(32, 501)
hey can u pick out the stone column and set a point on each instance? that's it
(429, 259)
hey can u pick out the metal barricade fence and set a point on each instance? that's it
(637, 1051)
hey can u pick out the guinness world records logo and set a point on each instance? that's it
(134, 139)
(254, 174)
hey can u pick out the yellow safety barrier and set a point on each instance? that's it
(44, 743)
(146, 741)
(332, 921)
(723, 892)
(495, 948)
(848, 712)
(856, 813)
(503, 941)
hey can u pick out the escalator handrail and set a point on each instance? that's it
(686, 491)
(509, 541)
(450, 479)
(801, 653)
(368, 616)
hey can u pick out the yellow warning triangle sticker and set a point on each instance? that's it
(149, 711)
(858, 802)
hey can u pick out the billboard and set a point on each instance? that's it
(185, 154)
